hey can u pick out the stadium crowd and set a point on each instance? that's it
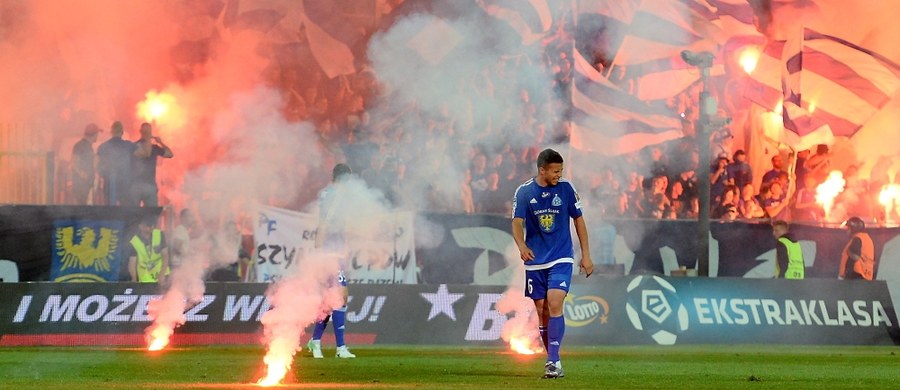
(658, 182)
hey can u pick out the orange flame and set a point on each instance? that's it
(161, 108)
(889, 197)
(748, 58)
(275, 372)
(524, 345)
(828, 190)
(278, 360)
(158, 338)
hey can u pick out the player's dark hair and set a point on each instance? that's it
(340, 171)
(548, 156)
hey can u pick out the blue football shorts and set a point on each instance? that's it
(537, 282)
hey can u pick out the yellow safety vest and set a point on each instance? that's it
(149, 263)
(795, 267)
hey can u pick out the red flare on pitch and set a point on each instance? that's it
(158, 338)
(524, 345)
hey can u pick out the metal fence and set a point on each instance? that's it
(27, 169)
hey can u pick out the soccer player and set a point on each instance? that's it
(331, 237)
(542, 207)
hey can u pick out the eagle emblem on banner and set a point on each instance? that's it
(85, 252)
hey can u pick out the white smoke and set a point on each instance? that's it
(452, 86)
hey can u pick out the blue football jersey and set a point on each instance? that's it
(546, 211)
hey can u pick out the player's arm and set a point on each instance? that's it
(587, 264)
(518, 232)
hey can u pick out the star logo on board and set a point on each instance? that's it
(442, 302)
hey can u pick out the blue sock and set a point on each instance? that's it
(543, 331)
(339, 316)
(320, 328)
(556, 328)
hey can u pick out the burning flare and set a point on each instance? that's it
(889, 197)
(525, 345)
(748, 58)
(158, 337)
(278, 360)
(828, 190)
(161, 108)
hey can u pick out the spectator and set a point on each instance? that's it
(774, 200)
(719, 179)
(772, 174)
(147, 149)
(805, 207)
(819, 164)
(740, 170)
(83, 162)
(726, 203)
(748, 206)
(114, 162)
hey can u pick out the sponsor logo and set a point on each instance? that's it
(755, 311)
(653, 306)
(545, 194)
(584, 310)
(533, 201)
(563, 284)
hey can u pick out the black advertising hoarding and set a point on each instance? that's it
(627, 310)
(472, 249)
(655, 310)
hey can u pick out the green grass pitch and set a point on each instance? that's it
(430, 367)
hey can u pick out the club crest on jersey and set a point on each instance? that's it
(546, 221)
(556, 200)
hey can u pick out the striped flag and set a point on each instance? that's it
(531, 19)
(608, 121)
(764, 86)
(656, 32)
(831, 81)
(664, 28)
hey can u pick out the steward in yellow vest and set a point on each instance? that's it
(789, 262)
(148, 260)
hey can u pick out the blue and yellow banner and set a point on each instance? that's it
(86, 251)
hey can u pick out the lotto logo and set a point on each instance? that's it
(653, 306)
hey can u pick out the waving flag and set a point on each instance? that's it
(531, 19)
(663, 28)
(609, 121)
(840, 83)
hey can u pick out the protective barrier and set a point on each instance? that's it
(626, 310)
